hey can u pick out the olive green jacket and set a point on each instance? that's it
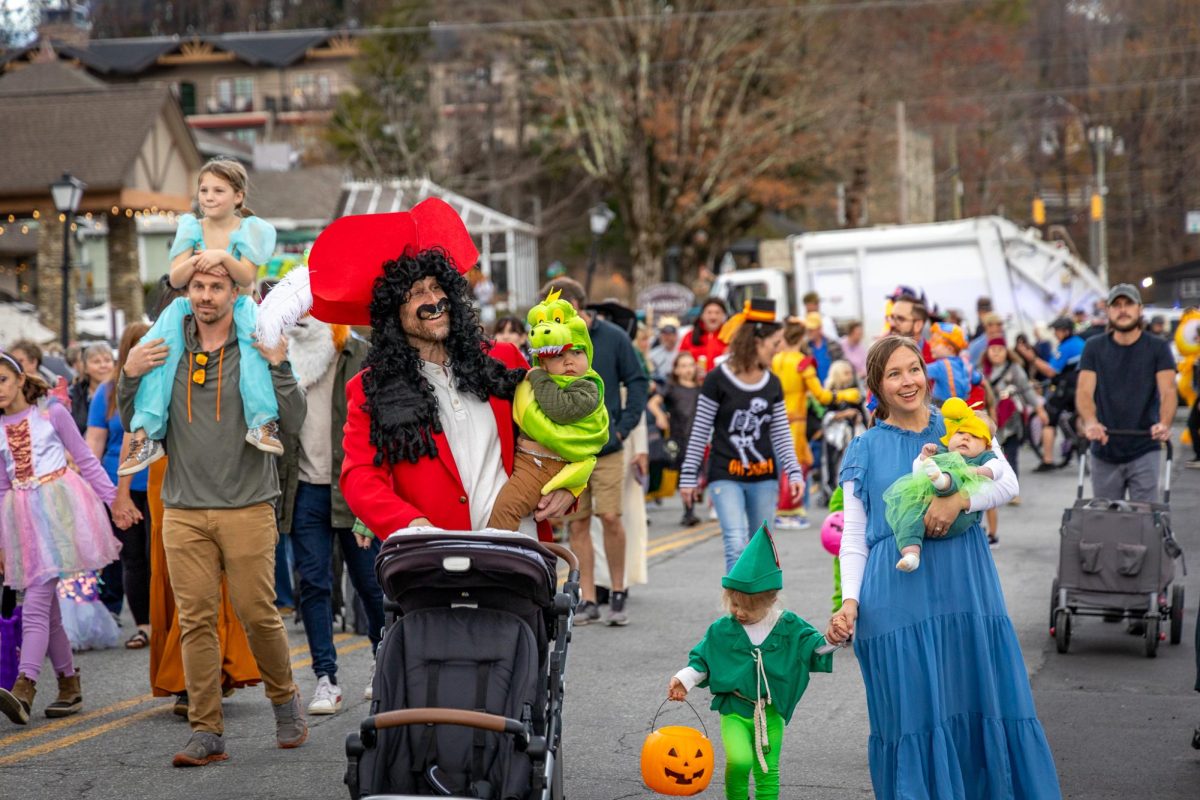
(349, 363)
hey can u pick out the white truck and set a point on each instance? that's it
(954, 263)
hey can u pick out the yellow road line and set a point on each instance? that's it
(359, 645)
(79, 719)
(675, 545)
(82, 736)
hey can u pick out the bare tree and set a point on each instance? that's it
(692, 116)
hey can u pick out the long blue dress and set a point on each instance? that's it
(951, 711)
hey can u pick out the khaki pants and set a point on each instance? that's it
(199, 544)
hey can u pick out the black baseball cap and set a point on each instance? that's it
(1062, 323)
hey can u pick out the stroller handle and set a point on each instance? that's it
(1134, 433)
(563, 553)
(443, 716)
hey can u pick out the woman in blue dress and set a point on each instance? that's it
(951, 711)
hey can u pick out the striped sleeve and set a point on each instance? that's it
(781, 442)
(702, 428)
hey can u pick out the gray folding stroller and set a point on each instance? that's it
(1117, 561)
(469, 679)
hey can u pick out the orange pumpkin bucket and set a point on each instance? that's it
(677, 760)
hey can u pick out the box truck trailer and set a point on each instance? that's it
(954, 263)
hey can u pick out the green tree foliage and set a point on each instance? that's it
(384, 127)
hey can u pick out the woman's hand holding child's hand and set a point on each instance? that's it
(676, 690)
(841, 624)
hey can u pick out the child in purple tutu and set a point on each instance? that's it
(52, 523)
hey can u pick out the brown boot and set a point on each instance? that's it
(16, 704)
(70, 697)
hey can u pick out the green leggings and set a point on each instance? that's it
(737, 734)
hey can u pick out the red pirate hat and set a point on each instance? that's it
(349, 255)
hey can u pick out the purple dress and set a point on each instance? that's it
(52, 521)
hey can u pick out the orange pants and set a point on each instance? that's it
(238, 668)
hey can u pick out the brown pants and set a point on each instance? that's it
(519, 497)
(200, 543)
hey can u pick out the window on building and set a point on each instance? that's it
(312, 90)
(234, 94)
(1189, 288)
(187, 97)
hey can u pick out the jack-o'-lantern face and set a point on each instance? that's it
(687, 772)
(677, 760)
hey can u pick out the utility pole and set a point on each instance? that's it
(956, 188)
(901, 163)
(1101, 137)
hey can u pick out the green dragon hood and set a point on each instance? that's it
(554, 326)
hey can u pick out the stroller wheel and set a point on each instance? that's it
(1176, 614)
(1062, 630)
(1196, 739)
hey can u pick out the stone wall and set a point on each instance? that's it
(49, 274)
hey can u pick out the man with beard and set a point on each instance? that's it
(908, 318)
(429, 436)
(1126, 381)
(218, 499)
(312, 509)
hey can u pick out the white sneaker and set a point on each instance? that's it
(369, 692)
(327, 699)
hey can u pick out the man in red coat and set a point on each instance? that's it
(429, 436)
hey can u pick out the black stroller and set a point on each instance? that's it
(469, 679)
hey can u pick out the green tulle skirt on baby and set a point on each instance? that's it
(908, 498)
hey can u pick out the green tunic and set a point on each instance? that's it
(726, 656)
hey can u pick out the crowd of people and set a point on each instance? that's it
(164, 477)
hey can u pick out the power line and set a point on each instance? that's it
(810, 9)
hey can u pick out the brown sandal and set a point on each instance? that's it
(139, 640)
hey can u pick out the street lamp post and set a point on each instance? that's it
(67, 192)
(1101, 137)
(599, 218)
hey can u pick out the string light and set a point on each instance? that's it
(11, 218)
(115, 211)
(129, 212)
(62, 217)
(36, 214)
(24, 229)
(73, 226)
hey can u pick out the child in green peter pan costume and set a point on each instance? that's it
(756, 662)
(559, 408)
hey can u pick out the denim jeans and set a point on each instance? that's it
(313, 535)
(284, 597)
(741, 507)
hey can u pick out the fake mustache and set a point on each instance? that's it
(429, 310)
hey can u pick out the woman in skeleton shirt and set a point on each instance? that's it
(741, 412)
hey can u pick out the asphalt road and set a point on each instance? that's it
(1119, 724)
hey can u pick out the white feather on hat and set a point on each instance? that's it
(284, 306)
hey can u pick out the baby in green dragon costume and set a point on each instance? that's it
(559, 408)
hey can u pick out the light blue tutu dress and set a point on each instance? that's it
(254, 240)
(951, 711)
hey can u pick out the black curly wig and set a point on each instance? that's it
(400, 400)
